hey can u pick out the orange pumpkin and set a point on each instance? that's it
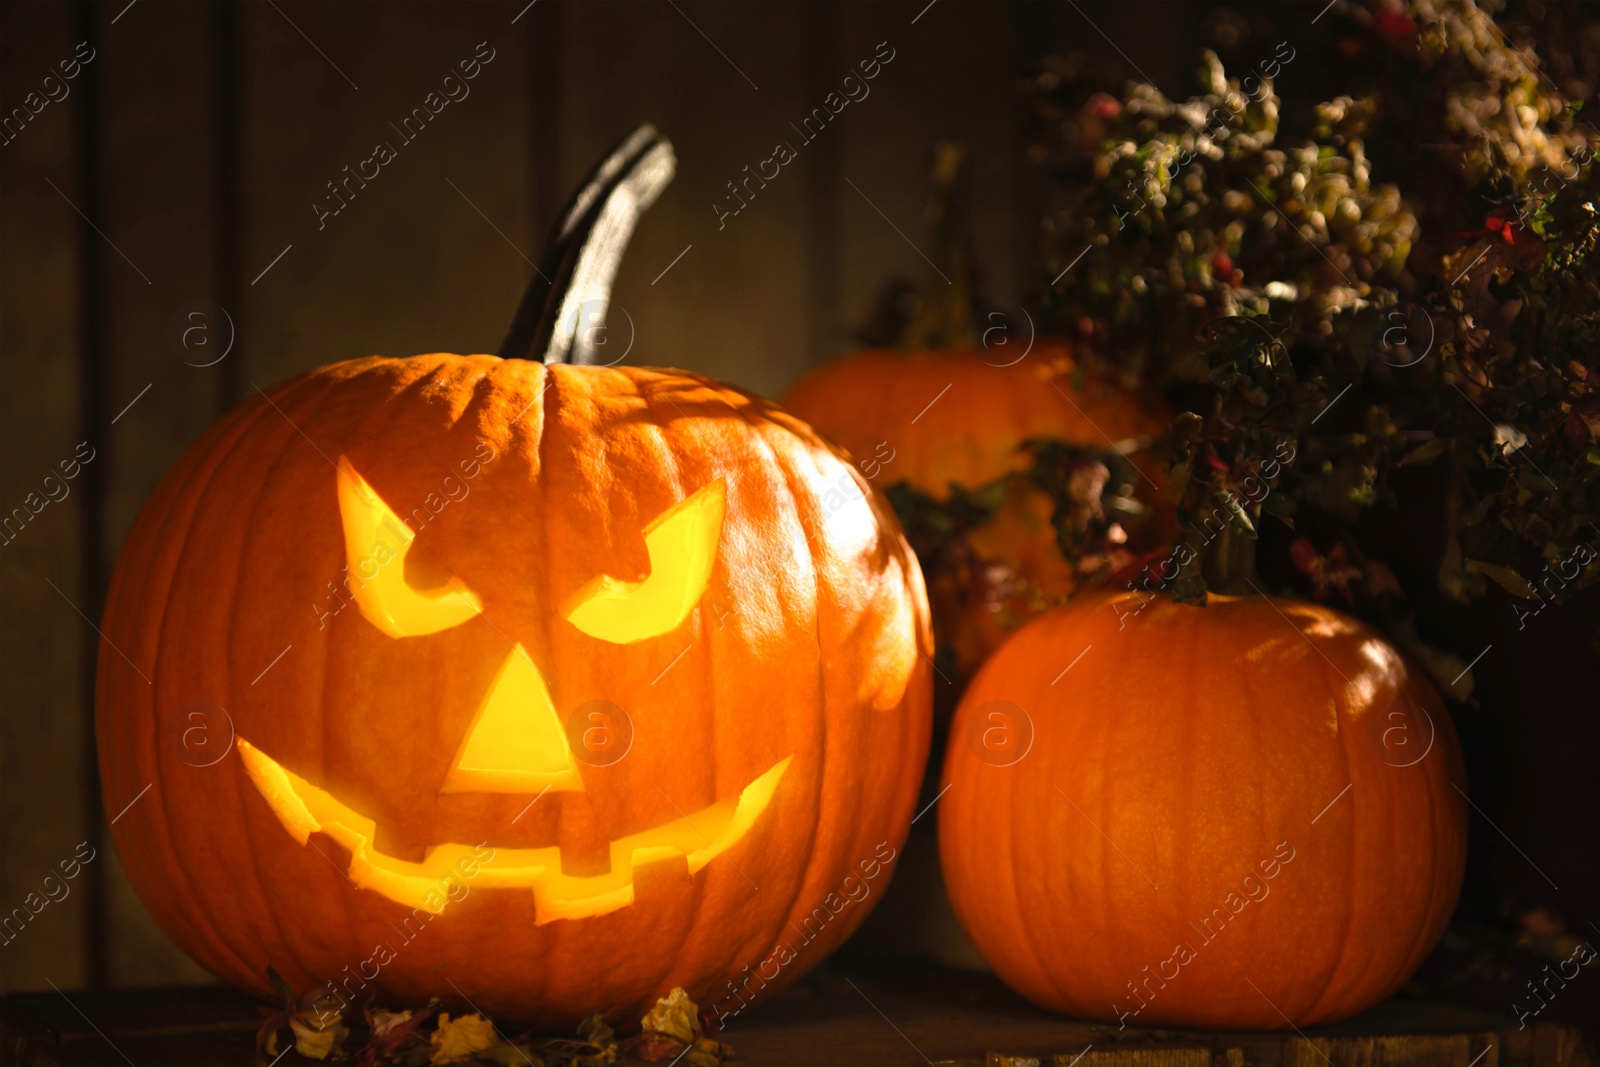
(548, 686)
(950, 409)
(1247, 815)
(956, 417)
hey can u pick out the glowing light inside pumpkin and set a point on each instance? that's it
(304, 809)
(375, 544)
(682, 543)
(515, 743)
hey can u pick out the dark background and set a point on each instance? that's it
(183, 167)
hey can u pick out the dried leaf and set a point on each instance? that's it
(596, 1047)
(674, 1015)
(707, 1053)
(384, 1021)
(459, 1039)
(653, 1047)
(316, 1035)
(1451, 673)
(1505, 577)
(596, 1031)
(1426, 452)
(1238, 512)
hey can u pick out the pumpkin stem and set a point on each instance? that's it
(1228, 563)
(566, 299)
(945, 318)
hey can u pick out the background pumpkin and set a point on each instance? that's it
(1247, 815)
(944, 411)
(230, 594)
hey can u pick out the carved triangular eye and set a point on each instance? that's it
(375, 545)
(682, 543)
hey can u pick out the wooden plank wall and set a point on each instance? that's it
(44, 811)
(179, 173)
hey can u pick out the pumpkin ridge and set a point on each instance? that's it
(1006, 867)
(164, 830)
(419, 379)
(204, 498)
(1050, 979)
(171, 505)
(1186, 779)
(780, 461)
(535, 449)
(1416, 950)
(299, 428)
(302, 383)
(1098, 748)
(1443, 898)
(1010, 864)
(892, 553)
(413, 379)
(782, 464)
(672, 474)
(1257, 705)
(1353, 846)
(327, 698)
(1396, 975)
(695, 915)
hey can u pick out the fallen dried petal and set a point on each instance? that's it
(318, 1039)
(674, 1015)
(458, 1039)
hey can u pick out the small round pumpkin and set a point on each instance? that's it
(540, 688)
(956, 418)
(1244, 815)
(952, 410)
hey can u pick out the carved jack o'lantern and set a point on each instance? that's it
(554, 686)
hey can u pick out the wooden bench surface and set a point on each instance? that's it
(841, 1015)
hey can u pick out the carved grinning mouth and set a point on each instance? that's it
(515, 743)
(304, 809)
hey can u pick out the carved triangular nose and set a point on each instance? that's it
(516, 743)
